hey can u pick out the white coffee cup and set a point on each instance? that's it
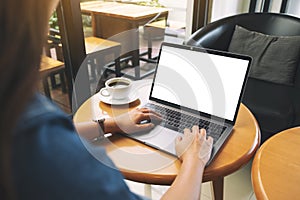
(117, 88)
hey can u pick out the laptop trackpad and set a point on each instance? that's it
(160, 137)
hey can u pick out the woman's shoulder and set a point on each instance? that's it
(41, 106)
(39, 111)
(51, 159)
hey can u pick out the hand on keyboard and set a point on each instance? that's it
(194, 144)
(178, 121)
(137, 120)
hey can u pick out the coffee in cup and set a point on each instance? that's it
(117, 88)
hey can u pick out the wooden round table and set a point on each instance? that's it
(141, 163)
(276, 167)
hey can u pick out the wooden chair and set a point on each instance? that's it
(53, 49)
(97, 49)
(154, 31)
(161, 30)
(48, 67)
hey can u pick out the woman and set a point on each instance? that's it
(42, 156)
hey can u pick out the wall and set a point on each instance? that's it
(224, 8)
(294, 7)
(178, 10)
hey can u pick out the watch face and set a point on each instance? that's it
(101, 124)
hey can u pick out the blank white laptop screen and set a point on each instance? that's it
(201, 81)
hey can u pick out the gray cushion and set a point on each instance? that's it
(275, 58)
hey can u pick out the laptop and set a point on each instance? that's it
(195, 86)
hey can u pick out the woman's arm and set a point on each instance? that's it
(187, 184)
(193, 148)
(130, 122)
(194, 151)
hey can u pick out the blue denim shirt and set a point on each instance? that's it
(51, 162)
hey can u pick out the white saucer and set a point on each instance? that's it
(109, 100)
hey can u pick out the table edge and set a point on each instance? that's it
(257, 184)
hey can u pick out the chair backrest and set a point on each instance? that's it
(54, 42)
(217, 35)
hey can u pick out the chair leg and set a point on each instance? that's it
(149, 46)
(46, 87)
(118, 64)
(63, 82)
(93, 69)
(100, 66)
(53, 81)
(148, 191)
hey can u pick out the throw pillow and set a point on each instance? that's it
(275, 58)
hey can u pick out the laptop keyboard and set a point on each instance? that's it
(178, 121)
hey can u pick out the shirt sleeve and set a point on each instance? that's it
(51, 162)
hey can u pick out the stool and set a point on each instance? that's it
(48, 67)
(54, 43)
(97, 49)
(154, 31)
(157, 30)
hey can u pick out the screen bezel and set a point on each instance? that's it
(209, 51)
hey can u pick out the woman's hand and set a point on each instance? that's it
(140, 119)
(194, 145)
(194, 150)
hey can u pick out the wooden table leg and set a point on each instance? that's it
(218, 188)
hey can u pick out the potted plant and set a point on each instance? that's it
(153, 3)
(53, 22)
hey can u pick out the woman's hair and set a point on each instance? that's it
(22, 35)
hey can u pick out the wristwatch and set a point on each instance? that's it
(101, 124)
(101, 128)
